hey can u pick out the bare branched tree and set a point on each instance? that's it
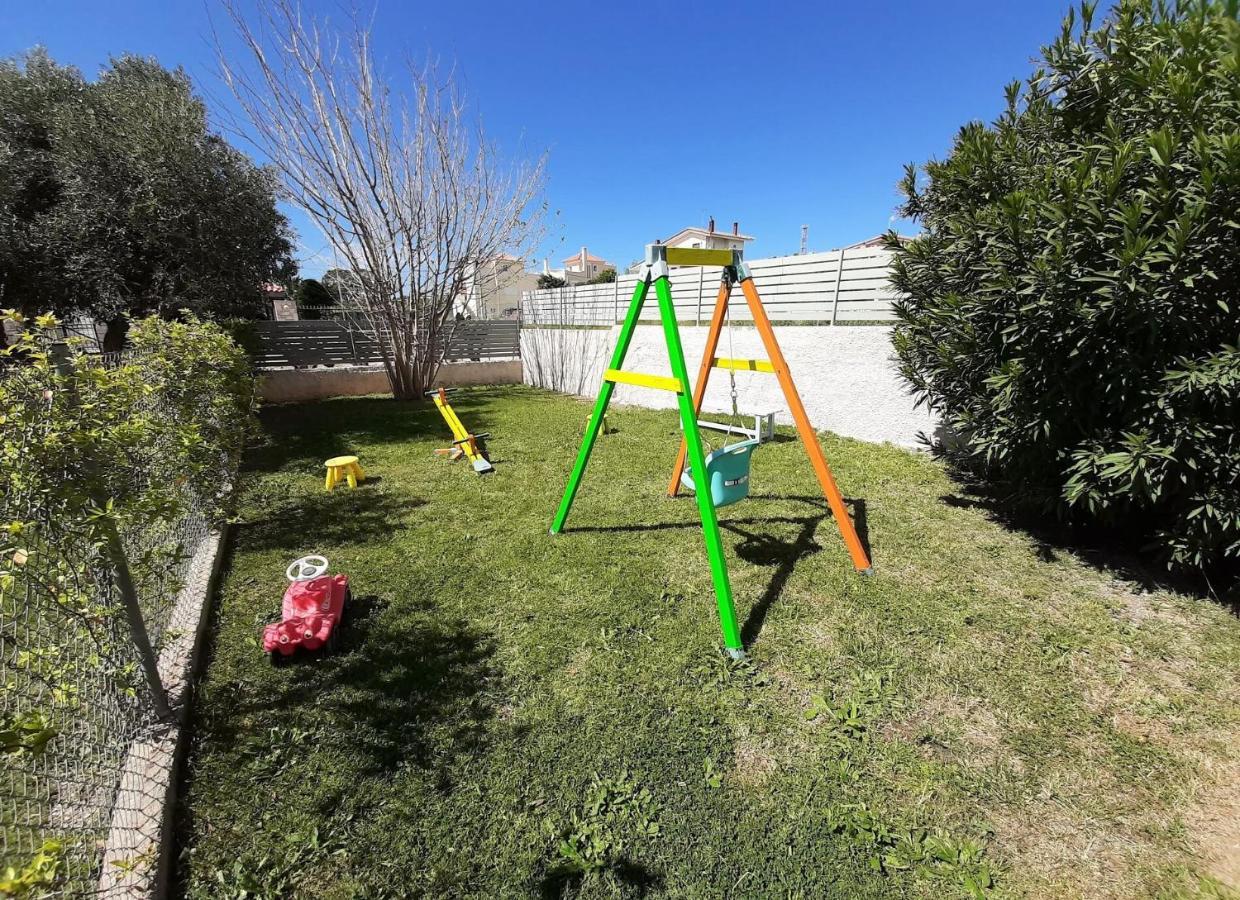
(405, 186)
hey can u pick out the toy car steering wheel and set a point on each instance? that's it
(307, 568)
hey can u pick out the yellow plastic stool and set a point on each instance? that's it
(341, 468)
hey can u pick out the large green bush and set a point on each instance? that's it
(144, 441)
(137, 451)
(1072, 307)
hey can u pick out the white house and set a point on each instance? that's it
(494, 289)
(580, 267)
(709, 239)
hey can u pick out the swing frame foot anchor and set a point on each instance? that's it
(736, 653)
(867, 572)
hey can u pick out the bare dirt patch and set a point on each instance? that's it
(1062, 853)
(960, 729)
(1213, 821)
(754, 761)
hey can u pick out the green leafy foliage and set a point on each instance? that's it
(607, 276)
(310, 296)
(616, 810)
(891, 848)
(115, 198)
(87, 443)
(36, 875)
(550, 281)
(1070, 308)
(136, 440)
(26, 732)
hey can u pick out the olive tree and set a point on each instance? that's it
(117, 200)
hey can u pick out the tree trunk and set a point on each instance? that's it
(403, 376)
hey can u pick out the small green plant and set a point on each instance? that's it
(39, 874)
(277, 874)
(284, 747)
(26, 732)
(134, 863)
(615, 810)
(891, 848)
(863, 702)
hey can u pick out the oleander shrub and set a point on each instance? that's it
(1072, 308)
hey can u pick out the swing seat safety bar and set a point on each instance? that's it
(746, 365)
(641, 379)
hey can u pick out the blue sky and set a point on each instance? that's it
(656, 115)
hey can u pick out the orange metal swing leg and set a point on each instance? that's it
(699, 386)
(860, 560)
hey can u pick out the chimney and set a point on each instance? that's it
(546, 267)
(736, 227)
(710, 225)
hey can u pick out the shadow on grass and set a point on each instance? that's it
(1116, 550)
(764, 550)
(860, 519)
(339, 518)
(410, 693)
(760, 549)
(309, 433)
(637, 878)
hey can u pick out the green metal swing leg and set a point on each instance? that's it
(600, 405)
(697, 461)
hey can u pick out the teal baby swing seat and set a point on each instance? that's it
(728, 471)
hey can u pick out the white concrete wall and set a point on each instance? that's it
(846, 375)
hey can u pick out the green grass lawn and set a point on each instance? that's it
(515, 714)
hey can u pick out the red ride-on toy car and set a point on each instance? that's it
(312, 610)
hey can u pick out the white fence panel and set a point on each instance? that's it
(838, 286)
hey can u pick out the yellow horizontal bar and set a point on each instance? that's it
(695, 256)
(751, 365)
(641, 379)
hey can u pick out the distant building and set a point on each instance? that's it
(494, 288)
(708, 238)
(580, 267)
(878, 242)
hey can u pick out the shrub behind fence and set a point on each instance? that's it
(114, 466)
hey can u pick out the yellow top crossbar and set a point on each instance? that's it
(641, 379)
(695, 256)
(749, 365)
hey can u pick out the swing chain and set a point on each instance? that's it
(731, 371)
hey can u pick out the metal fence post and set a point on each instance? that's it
(133, 613)
(701, 272)
(839, 275)
(61, 360)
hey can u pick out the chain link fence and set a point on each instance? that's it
(77, 692)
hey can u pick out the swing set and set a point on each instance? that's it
(727, 469)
